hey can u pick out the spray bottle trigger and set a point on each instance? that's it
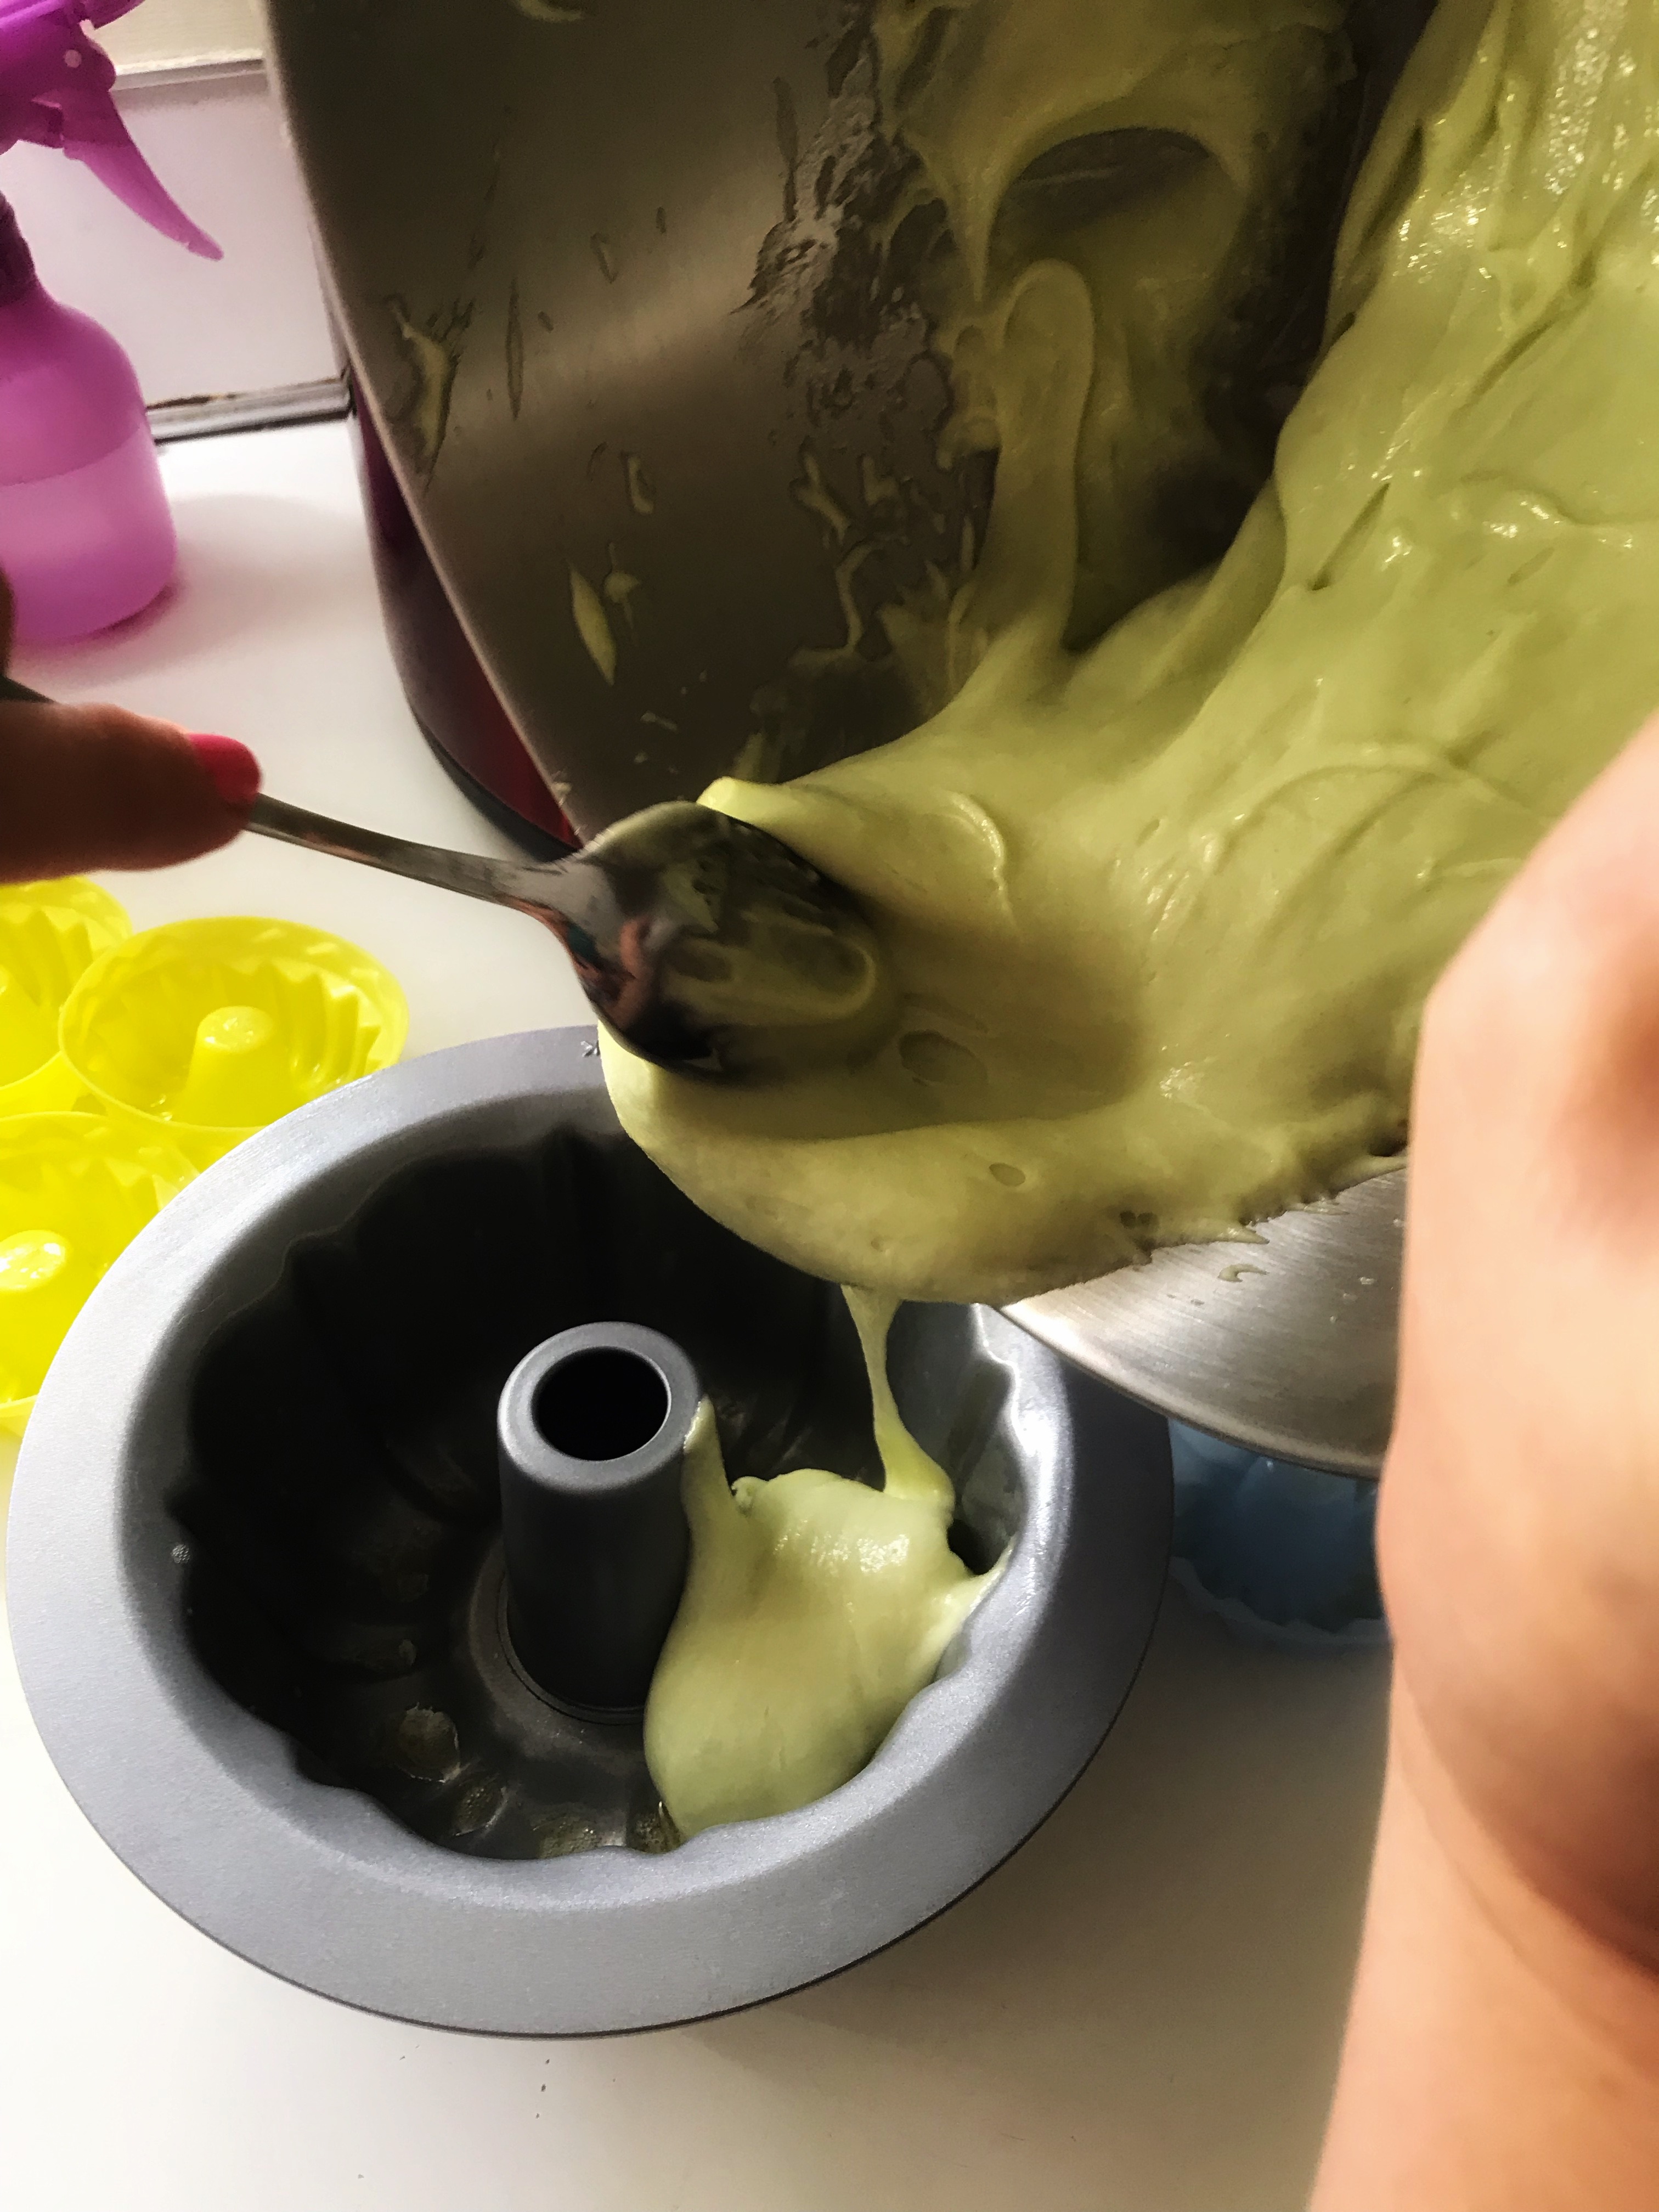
(57, 90)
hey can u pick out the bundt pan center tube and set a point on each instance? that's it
(592, 1432)
(260, 1608)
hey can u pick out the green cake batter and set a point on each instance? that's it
(1165, 907)
(814, 1610)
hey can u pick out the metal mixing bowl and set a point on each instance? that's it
(254, 1569)
(625, 299)
(627, 293)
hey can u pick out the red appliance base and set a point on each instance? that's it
(448, 693)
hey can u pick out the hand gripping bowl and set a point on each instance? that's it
(256, 1583)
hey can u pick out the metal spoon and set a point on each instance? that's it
(705, 944)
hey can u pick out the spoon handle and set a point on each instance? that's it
(475, 876)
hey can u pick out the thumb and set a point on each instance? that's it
(88, 787)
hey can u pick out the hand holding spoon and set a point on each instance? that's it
(703, 943)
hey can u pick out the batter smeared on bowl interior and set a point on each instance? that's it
(1165, 907)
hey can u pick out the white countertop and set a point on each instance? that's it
(1138, 2013)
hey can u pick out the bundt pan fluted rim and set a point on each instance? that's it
(207, 1805)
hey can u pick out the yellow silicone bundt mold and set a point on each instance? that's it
(75, 1190)
(207, 1030)
(50, 935)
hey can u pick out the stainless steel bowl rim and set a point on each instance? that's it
(1285, 1344)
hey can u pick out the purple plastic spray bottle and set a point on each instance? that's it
(86, 538)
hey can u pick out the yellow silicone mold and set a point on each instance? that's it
(75, 1190)
(207, 1030)
(50, 935)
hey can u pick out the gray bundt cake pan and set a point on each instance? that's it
(255, 1569)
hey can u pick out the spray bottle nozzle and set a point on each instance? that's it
(56, 90)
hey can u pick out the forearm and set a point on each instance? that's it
(1499, 2058)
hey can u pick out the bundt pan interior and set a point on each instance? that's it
(256, 1582)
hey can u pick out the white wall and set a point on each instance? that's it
(254, 321)
(171, 31)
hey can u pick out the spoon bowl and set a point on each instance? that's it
(703, 943)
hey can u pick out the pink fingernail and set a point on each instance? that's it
(232, 769)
